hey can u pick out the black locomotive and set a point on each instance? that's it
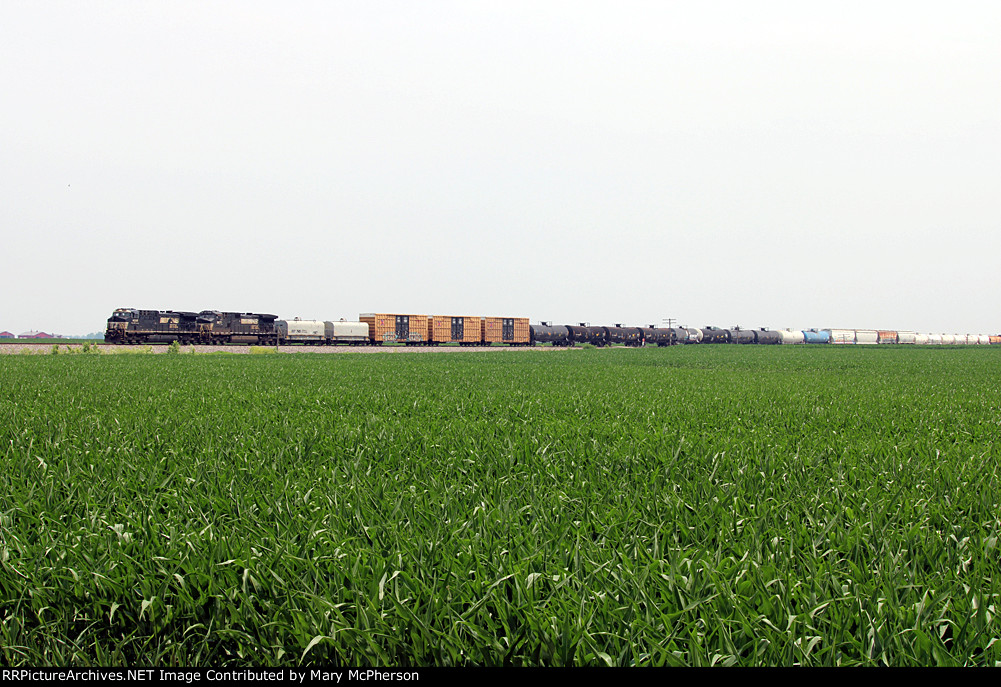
(131, 326)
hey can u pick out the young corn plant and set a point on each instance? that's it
(696, 506)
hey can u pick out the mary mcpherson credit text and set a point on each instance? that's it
(188, 676)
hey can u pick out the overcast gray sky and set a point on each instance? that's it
(781, 164)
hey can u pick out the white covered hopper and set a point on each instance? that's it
(842, 336)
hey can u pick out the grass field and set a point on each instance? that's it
(712, 505)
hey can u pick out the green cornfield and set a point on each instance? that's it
(702, 505)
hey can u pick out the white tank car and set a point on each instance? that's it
(694, 335)
(921, 339)
(935, 339)
(907, 337)
(347, 332)
(948, 339)
(983, 339)
(791, 337)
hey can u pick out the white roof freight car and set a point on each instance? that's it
(906, 337)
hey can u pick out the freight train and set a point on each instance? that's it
(213, 327)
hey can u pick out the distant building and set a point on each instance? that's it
(35, 335)
(6, 335)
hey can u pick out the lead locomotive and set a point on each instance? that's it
(131, 326)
